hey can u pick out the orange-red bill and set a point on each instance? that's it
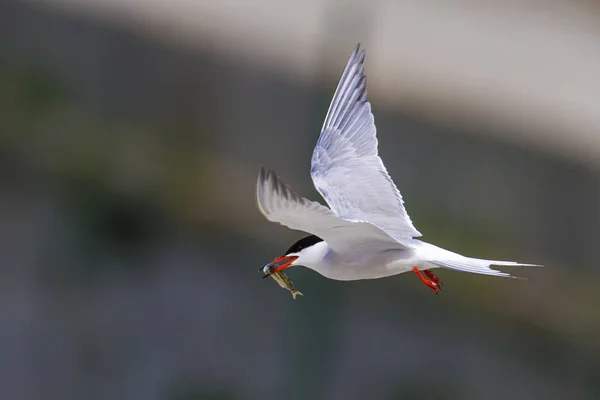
(281, 263)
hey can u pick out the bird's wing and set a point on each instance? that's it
(346, 169)
(279, 203)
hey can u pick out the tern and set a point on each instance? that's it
(365, 233)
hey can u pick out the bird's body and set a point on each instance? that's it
(349, 266)
(366, 232)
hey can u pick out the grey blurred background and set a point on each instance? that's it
(131, 132)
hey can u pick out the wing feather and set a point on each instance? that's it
(346, 168)
(279, 203)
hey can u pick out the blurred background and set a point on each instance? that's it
(131, 133)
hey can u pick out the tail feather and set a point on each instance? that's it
(480, 266)
(504, 263)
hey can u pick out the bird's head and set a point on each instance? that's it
(300, 253)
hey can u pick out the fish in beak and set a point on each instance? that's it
(279, 264)
(274, 270)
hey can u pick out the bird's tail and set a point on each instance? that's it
(480, 266)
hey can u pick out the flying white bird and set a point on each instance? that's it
(366, 232)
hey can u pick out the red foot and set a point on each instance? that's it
(429, 281)
(432, 277)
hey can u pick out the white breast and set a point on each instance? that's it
(355, 266)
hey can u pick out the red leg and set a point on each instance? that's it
(429, 283)
(433, 278)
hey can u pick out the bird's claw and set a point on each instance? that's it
(433, 278)
(434, 286)
(432, 282)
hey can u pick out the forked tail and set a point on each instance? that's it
(480, 266)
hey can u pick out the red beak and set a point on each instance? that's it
(281, 263)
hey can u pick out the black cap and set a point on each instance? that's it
(303, 243)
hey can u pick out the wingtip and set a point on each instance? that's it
(358, 54)
(361, 56)
(261, 203)
(264, 173)
(261, 174)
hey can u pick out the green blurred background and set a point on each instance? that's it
(130, 241)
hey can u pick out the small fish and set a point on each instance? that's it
(282, 279)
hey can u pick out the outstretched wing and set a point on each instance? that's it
(279, 203)
(346, 169)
